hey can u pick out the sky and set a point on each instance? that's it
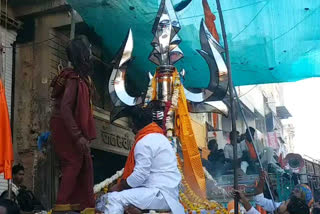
(302, 99)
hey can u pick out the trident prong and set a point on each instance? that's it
(218, 84)
(117, 89)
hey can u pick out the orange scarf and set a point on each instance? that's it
(130, 163)
(252, 152)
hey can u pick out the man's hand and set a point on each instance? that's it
(122, 185)
(260, 186)
(243, 199)
(116, 188)
(132, 210)
(83, 144)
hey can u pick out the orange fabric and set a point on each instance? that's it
(262, 211)
(193, 170)
(130, 163)
(209, 19)
(252, 152)
(6, 152)
(215, 122)
(231, 207)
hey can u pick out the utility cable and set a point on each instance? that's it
(247, 25)
(242, 95)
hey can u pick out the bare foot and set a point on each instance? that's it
(132, 210)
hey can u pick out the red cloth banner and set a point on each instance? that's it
(6, 151)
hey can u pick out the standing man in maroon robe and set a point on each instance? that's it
(73, 128)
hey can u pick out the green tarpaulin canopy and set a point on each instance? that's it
(270, 41)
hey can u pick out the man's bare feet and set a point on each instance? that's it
(132, 210)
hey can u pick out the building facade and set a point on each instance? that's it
(264, 109)
(37, 57)
(8, 32)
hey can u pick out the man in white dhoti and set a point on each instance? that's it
(151, 177)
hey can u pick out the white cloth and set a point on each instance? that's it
(15, 189)
(244, 166)
(154, 181)
(228, 150)
(141, 197)
(267, 204)
(252, 211)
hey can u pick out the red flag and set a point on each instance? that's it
(209, 19)
(6, 152)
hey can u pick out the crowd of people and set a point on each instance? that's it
(220, 161)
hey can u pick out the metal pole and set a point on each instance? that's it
(72, 27)
(232, 108)
(255, 149)
(9, 189)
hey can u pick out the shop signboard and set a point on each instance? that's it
(112, 138)
(273, 140)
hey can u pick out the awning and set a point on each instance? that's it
(282, 112)
(270, 41)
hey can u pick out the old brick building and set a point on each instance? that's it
(36, 54)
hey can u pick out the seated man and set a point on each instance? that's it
(216, 158)
(151, 176)
(228, 154)
(20, 195)
(299, 203)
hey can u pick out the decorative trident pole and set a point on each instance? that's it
(232, 107)
(170, 101)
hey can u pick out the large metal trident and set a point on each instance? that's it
(165, 54)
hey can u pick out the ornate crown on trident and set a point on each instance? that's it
(165, 54)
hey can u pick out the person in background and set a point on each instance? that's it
(17, 180)
(216, 158)
(316, 206)
(8, 207)
(20, 194)
(254, 149)
(228, 154)
(249, 152)
(296, 204)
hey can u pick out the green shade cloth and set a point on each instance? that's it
(270, 41)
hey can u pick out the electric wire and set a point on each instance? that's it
(254, 18)
(248, 91)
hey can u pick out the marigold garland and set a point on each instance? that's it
(193, 202)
